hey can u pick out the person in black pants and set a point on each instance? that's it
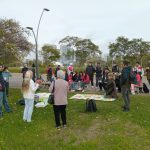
(61, 88)
(60, 110)
(90, 71)
(98, 71)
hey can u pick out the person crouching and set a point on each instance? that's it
(111, 86)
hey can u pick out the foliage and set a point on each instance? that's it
(50, 53)
(14, 45)
(133, 50)
(84, 48)
(107, 129)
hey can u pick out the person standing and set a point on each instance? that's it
(125, 85)
(24, 70)
(90, 71)
(49, 73)
(33, 71)
(6, 75)
(60, 99)
(98, 71)
(28, 90)
(116, 71)
(58, 68)
(3, 97)
(148, 71)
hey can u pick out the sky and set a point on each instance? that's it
(102, 21)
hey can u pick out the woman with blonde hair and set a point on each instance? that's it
(28, 90)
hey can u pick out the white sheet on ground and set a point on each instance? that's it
(91, 96)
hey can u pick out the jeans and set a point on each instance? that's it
(7, 88)
(29, 105)
(4, 101)
(60, 110)
(125, 94)
(91, 79)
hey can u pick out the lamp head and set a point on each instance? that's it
(30, 28)
(46, 9)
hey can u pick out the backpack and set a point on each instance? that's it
(132, 77)
(91, 106)
(145, 89)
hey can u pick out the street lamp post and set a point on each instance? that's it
(36, 41)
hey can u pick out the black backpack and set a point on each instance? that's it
(132, 77)
(145, 89)
(91, 106)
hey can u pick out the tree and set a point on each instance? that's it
(50, 53)
(14, 45)
(84, 49)
(133, 50)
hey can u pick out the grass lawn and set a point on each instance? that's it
(107, 129)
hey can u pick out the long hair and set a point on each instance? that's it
(26, 81)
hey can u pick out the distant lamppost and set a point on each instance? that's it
(36, 41)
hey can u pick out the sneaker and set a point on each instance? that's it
(58, 128)
(64, 126)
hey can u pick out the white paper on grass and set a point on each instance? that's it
(43, 99)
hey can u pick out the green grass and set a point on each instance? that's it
(107, 129)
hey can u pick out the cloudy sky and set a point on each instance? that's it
(100, 20)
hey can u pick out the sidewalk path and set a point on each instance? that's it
(16, 80)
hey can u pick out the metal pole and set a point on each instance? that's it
(36, 42)
(37, 33)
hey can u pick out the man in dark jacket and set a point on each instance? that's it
(98, 71)
(24, 70)
(125, 85)
(3, 97)
(90, 71)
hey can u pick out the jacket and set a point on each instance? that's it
(124, 79)
(111, 89)
(60, 92)
(32, 88)
(90, 70)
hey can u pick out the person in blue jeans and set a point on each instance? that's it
(3, 97)
(28, 89)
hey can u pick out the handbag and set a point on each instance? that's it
(51, 96)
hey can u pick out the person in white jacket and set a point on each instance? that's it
(28, 89)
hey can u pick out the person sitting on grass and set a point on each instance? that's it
(111, 86)
(139, 83)
(28, 89)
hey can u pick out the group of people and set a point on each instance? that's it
(63, 81)
(61, 89)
